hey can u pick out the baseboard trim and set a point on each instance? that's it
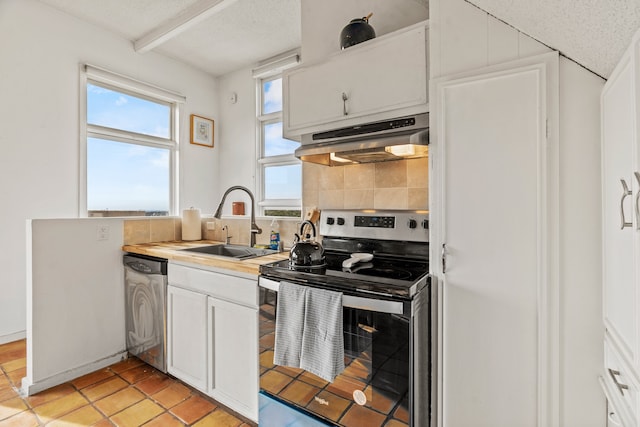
(13, 337)
(29, 388)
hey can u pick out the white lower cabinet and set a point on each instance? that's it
(233, 347)
(213, 335)
(187, 336)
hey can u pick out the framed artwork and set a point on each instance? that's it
(201, 131)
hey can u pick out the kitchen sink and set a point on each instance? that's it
(231, 251)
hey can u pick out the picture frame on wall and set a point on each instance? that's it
(201, 131)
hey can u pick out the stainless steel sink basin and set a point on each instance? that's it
(231, 251)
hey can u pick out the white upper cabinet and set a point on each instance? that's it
(379, 79)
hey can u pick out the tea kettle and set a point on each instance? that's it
(306, 252)
(357, 31)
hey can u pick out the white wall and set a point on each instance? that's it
(75, 305)
(323, 21)
(462, 38)
(237, 136)
(42, 50)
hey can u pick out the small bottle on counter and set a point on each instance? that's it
(274, 241)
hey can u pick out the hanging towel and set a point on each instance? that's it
(289, 324)
(322, 350)
(309, 331)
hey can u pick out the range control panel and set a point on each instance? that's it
(376, 224)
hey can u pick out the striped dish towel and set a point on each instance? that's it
(289, 324)
(309, 330)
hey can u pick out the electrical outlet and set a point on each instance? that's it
(211, 225)
(102, 232)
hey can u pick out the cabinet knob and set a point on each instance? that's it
(345, 98)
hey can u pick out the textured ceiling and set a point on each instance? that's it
(239, 35)
(242, 34)
(594, 33)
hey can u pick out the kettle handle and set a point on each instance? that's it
(313, 228)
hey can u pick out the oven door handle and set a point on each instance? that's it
(349, 301)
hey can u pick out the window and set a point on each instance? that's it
(279, 171)
(131, 147)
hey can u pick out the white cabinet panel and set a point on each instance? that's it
(233, 356)
(385, 76)
(213, 335)
(187, 336)
(618, 147)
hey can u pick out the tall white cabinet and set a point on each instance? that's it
(494, 158)
(621, 238)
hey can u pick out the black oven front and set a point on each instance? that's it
(387, 375)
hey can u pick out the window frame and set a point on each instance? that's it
(263, 161)
(122, 84)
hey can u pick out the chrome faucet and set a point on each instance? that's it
(227, 238)
(254, 229)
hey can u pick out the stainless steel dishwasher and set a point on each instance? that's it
(145, 280)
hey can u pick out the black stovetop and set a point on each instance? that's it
(383, 276)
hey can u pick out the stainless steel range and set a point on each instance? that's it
(379, 261)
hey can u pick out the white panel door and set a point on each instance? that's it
(233, 356)
(187, 336)
(498, 184)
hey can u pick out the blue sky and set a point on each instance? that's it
(126, 176)
(283, 182)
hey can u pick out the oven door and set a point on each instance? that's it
(377, 381)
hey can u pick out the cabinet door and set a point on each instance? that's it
(496, 169)
(233, 356)
(187, 336)
(618, 140)
(388, 75)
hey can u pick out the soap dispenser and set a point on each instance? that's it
(274, 241)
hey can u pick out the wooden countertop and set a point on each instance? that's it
(172, 251)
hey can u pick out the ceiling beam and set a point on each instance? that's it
(191, 16)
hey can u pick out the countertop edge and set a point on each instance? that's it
(172, 251)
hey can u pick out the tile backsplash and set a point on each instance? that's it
(401, 184)
(143, 230)
(147, 230)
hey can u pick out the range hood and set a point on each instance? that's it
(397, 139)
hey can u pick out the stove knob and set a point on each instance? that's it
(340, 221)
(413, 223)
(425, 224)
(330, 221)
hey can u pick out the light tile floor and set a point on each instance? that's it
(128, 393)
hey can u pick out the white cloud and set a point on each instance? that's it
(121, 101)
(273, 95)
